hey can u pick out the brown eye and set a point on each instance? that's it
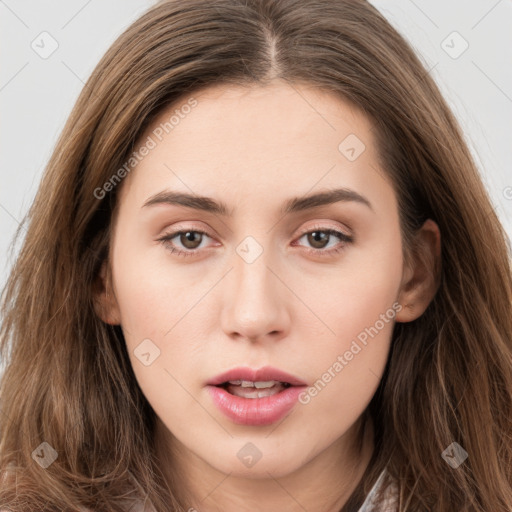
(318, 239)
(184, 242)
(322, 242)
(191, 239)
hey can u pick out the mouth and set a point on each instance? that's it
(255, 397)
(250, 389)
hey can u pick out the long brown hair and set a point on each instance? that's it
(68, 381)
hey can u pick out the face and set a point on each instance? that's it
(258, 276)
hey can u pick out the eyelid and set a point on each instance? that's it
(179, 227)
(318, 227)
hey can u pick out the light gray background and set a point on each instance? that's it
(37, 94)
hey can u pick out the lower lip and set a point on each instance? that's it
(256, 411)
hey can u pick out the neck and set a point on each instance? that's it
(323, 484)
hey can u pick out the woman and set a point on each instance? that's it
(261, 273)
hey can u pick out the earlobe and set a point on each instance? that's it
(105, 302)
(421, 274)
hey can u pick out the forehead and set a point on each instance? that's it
(256, 109)
(255, 142)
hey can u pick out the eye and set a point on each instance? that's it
(319, 238)
(190, 240)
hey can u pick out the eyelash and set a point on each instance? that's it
(345, 239)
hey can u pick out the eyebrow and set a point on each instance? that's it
(294, 205)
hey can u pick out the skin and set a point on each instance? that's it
(253, 149)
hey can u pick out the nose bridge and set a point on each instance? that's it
(254, 305)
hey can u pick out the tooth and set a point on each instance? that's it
(256, 393)
(247, 384)
(265, 384)
(235, 382)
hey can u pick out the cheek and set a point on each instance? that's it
(159, 304)
(151, 316)
(358, 305)
(347, 364)
(143, 301)
(150, 294)
(358, 292)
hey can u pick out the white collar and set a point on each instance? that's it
(390, 497)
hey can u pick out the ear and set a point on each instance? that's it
(105, 302)
(420, 280)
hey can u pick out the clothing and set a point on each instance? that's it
(390, 502)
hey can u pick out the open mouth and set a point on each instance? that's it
(255, 397)
(250, 389)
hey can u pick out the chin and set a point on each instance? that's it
(256, 459)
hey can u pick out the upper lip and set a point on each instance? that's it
(266, 373)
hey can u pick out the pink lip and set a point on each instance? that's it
(256, 411)
(262, 374)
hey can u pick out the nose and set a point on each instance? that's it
(255, 306)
